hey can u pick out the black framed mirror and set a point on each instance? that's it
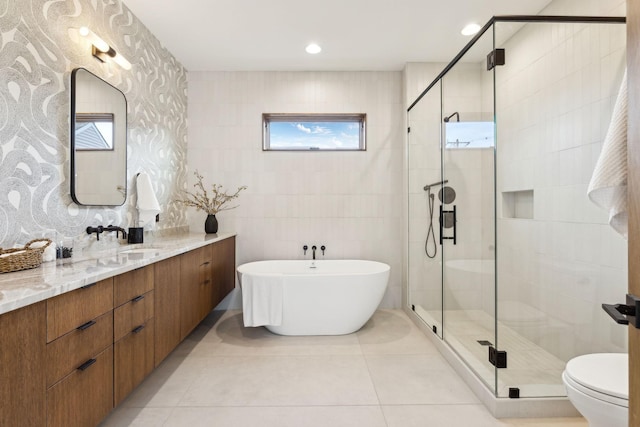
(98, 141)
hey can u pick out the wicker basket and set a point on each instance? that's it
(28, 258)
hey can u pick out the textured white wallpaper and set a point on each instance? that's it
(37, 54)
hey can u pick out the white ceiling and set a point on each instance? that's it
(267, 35)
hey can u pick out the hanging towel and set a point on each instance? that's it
(262, 299)
(147, 203)
(608, 186)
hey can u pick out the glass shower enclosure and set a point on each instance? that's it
(508, 260)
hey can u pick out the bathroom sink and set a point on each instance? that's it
(139, 251)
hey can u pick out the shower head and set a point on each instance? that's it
(446, 119)
(428, 187)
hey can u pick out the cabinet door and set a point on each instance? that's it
(208, 290)
(68, 311)
(133, 360)
(132, 284)
(73, 349)
(189, 287)
(224, 268)
(167, 307)
(22, 374)
(195, 288)
(85, 396)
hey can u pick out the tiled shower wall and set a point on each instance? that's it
(37, 53)
(349, 201)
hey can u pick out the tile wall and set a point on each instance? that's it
(351, 202)
(37, 53)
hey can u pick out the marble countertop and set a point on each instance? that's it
(21, 288)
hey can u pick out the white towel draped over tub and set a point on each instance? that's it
(147, 203)
(608, 186)
(262, 299)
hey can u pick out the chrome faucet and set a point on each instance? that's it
(313, 249)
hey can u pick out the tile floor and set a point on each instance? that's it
(388, 374)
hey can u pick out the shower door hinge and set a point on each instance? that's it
(409, 129)
(495, 58)
(514, 393)
(497, 358)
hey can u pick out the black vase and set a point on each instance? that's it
(211, 224)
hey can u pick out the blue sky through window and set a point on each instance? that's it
(314, 135)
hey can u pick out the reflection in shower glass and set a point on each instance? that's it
(469, 134)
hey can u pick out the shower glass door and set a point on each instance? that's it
(424, 168)
(466, 200)
(558, 259)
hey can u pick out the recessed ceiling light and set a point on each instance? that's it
(313, 49)
(470, 30)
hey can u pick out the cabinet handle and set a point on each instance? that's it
(206, 282)
(89, 285)
(86, 364)
(138, 329)
(206, 263)
(87, 325)
(138, 298)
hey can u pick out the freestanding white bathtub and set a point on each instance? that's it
(322, 297)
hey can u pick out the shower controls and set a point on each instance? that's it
(313, 249)
(304, 248)
(624, 314)
(322, 248)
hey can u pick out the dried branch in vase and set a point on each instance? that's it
(211, 204)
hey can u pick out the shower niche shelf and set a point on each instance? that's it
(517, 204)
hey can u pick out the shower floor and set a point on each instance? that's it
(536, 372)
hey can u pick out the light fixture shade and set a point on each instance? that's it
(470, 29)
(122, 61)
(100, 44)
(313, 48)
(101, 49)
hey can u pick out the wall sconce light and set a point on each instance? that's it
(101, 49)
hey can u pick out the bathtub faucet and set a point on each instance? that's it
(313, 249)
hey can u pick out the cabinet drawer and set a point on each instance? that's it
(74, 348)
(133, 361)
(132, 314)
(68, 311)
(85, 396)
(129, 285)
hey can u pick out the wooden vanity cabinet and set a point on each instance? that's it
(133, 352)
(69, 360)
(22, 373)
(167, 307)
(79, 355)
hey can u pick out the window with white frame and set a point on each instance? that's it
(314, 132)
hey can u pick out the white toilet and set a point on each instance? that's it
(598, 386)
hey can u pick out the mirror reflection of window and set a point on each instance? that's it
(469, 134)
(94, 131)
